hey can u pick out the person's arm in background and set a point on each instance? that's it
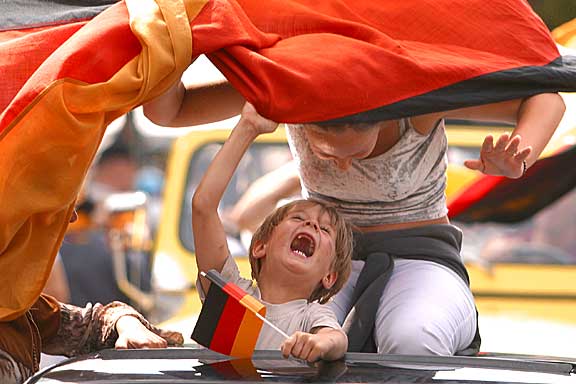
(134, 334)
(210, 245)
(536, 118)
(193, 104)
(70, 331)
(263, 195)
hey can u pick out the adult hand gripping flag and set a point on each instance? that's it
(230, 320)
(68, 70)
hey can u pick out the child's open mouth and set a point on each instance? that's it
(303, 244)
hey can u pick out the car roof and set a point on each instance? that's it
(192, 365)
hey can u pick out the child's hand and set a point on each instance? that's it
(253, 119)
(132, 334)
(307, 346)
(502, 159)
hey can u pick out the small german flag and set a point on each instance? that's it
(230, 319)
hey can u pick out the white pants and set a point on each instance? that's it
(425, 309)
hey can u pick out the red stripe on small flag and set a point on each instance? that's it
(228, 326)
(234, 291)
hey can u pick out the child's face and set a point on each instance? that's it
(302, 246)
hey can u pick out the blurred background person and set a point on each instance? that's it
(86, 253)
(57, 283)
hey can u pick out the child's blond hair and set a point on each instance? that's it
(342, 244)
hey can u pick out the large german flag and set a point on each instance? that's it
(67, 69)
(230, 320)
(66, 72)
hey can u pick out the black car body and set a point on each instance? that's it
(191, 365)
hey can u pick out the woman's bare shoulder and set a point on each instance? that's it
(424, 124)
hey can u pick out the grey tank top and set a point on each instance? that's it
(406, 183)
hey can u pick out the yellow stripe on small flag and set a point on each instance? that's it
(253, 304)
(247, 335)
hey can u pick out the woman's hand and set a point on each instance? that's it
(251, 118)
(502, 159)
(132, 334)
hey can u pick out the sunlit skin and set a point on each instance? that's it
(290, 267)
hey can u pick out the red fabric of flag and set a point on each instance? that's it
(374, 60)
(62, 83)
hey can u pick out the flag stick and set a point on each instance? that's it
(271, 325)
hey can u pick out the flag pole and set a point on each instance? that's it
(271, 325)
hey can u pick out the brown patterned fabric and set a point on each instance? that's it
(55, 328)
(93, 327)
(11, 371)
(20, 339)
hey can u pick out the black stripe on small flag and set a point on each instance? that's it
(210, 315)
(216, 278)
